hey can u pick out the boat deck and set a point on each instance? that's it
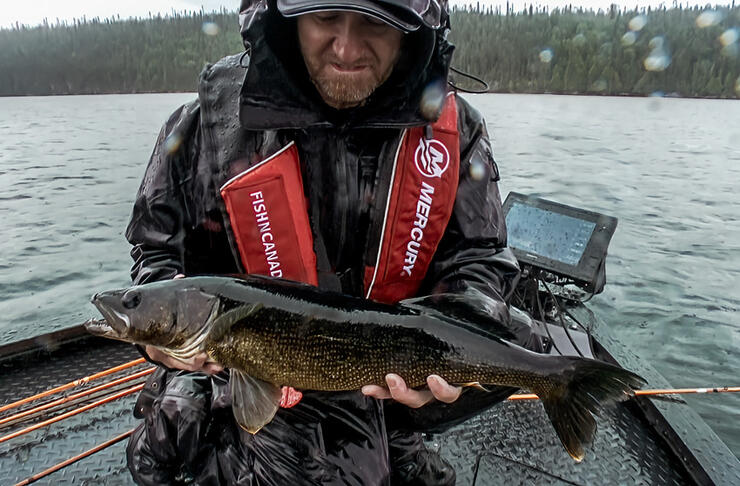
(513, 443)
(22, 457)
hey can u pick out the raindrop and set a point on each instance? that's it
(709, 18)
(729, 37)
(656, 98)
(579, 40)
(546, 55)
(656, 42)
(211, 28)
(432, 100)
(172, 143)
(629, 38)
(637, 23)
(658, 60)
(477, 169)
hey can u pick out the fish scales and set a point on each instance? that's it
(318, 354)
(271, 333)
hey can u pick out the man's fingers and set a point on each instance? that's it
(405, 395)
(212, 368)
(375, 391)
(443, 391)
(397, 390)
(191, 364)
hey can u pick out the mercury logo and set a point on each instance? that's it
(431, 157)
(423, 209)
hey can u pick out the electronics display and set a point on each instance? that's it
(566, 241)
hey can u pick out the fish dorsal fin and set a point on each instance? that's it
(254, 401)
(467, 310)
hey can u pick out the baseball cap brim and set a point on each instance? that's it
(393, 16)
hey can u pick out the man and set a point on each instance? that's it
(329, 153)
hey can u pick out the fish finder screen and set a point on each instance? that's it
(548, 234)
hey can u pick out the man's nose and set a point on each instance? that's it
(348, 42)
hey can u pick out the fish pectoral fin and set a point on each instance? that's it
(254, 401)
(475, 384)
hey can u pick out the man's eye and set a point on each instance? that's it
(373, 20)
(326, 16)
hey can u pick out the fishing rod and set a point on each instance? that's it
(76, 396)
(656, 391)
(73, 384)
(72, 413)
(76, 458)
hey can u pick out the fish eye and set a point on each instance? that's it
(131, 299)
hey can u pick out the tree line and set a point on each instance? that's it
(683, 51)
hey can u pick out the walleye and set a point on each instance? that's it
(272, 333)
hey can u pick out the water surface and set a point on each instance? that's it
(669, 169)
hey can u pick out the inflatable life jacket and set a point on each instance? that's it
(269, 216)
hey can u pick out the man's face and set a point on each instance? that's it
(348, 55)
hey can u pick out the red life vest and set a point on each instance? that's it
(269, 218)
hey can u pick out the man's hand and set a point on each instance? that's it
(439, 389)
(199, 362)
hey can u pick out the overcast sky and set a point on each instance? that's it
(32, 12)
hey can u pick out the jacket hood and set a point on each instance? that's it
(278, 93)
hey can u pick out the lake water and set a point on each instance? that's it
(669, 169)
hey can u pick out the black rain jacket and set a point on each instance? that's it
(248, 107)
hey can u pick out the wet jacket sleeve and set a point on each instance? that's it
(160, 215)
(472, 262)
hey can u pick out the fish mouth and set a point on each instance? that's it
(99, 327)
(114, 324)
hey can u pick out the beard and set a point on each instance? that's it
(345, 90)
(341, 91)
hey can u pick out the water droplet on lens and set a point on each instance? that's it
(546, 55)
(477, 170)
(432, 100)
(629, 38)
(637, 23)
(729, 37)
(657, 62)
(579, 40)
(656, 42)
(709, 18)
(172, 143)
(211, 28)
(655, 100)
(658, 59)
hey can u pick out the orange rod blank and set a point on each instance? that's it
(76, 458)
(76, 396)
(678, 391)
(657, 391)
(73, 384)
(71, 413)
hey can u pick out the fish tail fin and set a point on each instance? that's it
(581, 389)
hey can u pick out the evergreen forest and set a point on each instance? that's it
(679, 51)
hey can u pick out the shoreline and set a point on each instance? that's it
(618, 95)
